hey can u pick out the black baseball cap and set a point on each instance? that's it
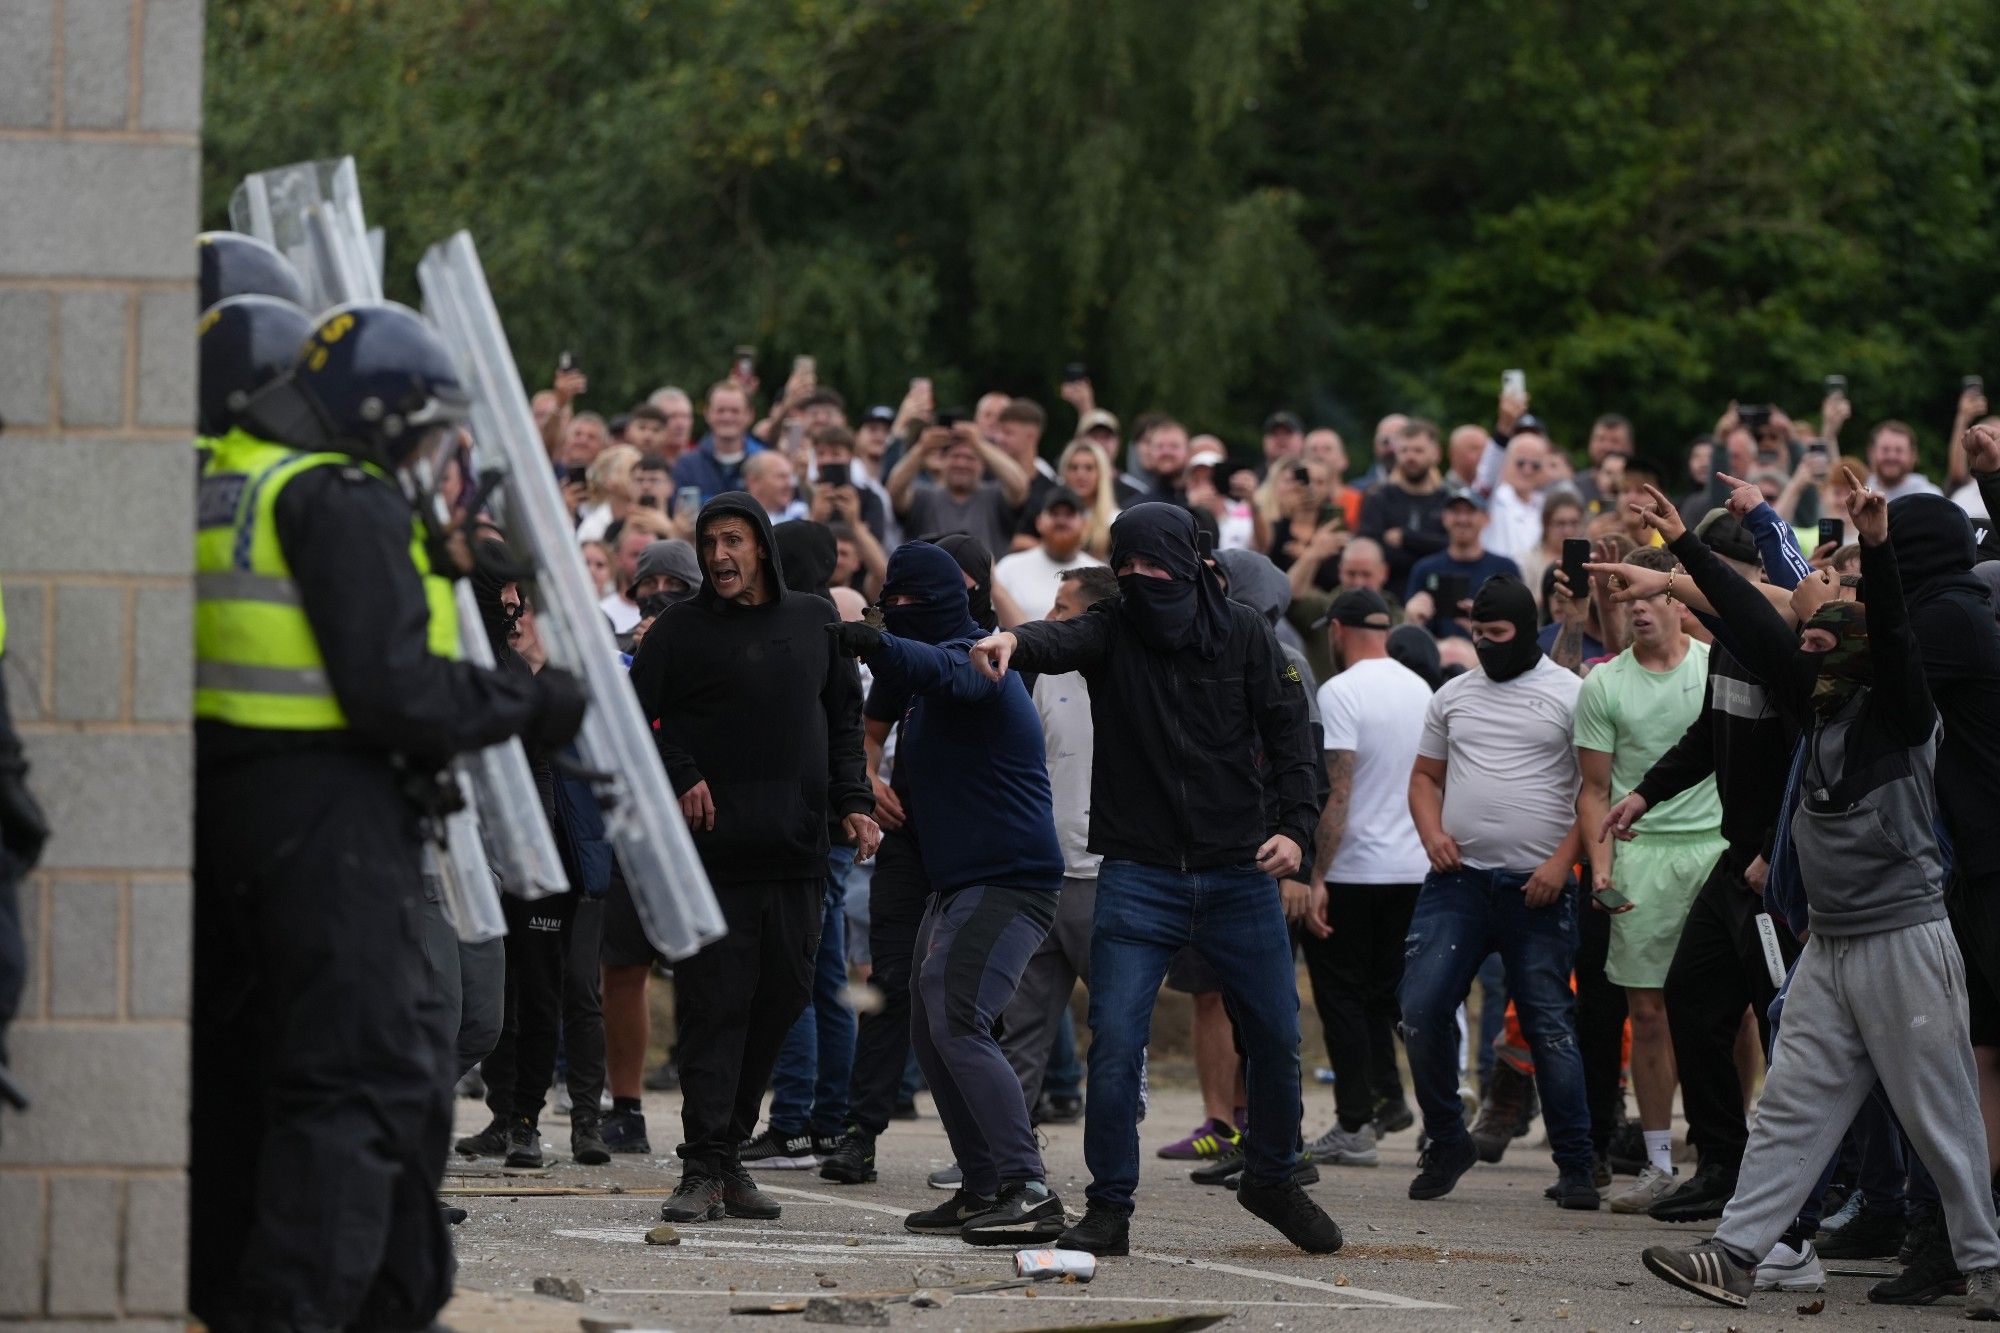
(1362, 608)
(1721, 532)
(1284, 421)
(881, 412)
(1063, 495)
(1529, 424)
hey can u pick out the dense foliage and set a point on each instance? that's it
(1343, 206)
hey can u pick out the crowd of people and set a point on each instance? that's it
(1693, 792)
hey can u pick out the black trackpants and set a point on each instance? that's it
(1600, 1027)
(553, 982)
(1718, 968)
(1355, 973)
(735, 1001)
(896, 898)
(322, 1066)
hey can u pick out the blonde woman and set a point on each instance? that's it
(1085, 469)
(597, 560)
(609, 491)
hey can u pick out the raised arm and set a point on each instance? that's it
(1013, 478)
(1901, 695)
(1051, 646)
(923, 668)
(903, 477)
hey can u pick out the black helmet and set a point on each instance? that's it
(372, 381)
(245, 342)
(233, 264)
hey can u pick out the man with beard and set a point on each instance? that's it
(1878, 991)
(1406, 512)
(1493, 794)
(972, 748)
(759, 729)
(1188, 693)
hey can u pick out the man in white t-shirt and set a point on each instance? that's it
(1369, 865)
(1028, 1026)
(1032, 576)
(1493, 794)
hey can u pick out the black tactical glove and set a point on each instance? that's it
(855, 638)
(559, 711)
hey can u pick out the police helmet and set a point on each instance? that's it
(245, 342)
(233, 264)
(373, 381)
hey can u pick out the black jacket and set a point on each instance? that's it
(754, 701)
(1175, 780)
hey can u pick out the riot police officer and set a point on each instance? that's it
(328, 699)
(233, 264)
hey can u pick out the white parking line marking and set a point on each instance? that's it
(1041, 1294)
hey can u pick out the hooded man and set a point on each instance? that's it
(759, 728)
(1493, 793)
(1879, 989)
(972, 749)
(1196, 712)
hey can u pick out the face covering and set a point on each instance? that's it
(1504, 597)
(1186, 610)
(1842, 670)
(974, 559)
(921, 570)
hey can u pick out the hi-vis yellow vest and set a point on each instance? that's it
(257, 662)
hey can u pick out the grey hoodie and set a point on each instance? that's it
(1262, 586)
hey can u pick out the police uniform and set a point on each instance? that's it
(327, 685)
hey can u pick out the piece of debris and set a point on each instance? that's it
(566, 1288)
(663, 1235)
(1340, 1280)
(827, 1282)
(936, 1275)
(930, 1300)
(770, 1307)
(852, 1311)
(1817, 1307)
(852, 1240)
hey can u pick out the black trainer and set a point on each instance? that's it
(1699, 1198)
(1222, 1171)
(1573, 1190)
(852, 1161)
(1102, 1232)
(1870, 1235)
(453, 1215)
(949, 1216)
(1502, 1111)
(1027, 1213)
(1931, 1274)
(488, 1142)
(1916, 1235)
(742, 1198)
(625, 1132)
(1292, 1211)
(1627, 1149)
(698, 1198)
(1304, 1174)
(1440, 1167)
(586, 1143)
(1053, 1110)
(776, 1151)
(524, 1146)
(1393, 1116)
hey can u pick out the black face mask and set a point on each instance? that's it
(1506, 598)
(655, 602)
(924, 622)
(1162, 610)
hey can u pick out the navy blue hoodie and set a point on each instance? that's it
(971, 748)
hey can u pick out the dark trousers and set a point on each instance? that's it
(13, 947)
(896, 898)
(1355, 973)
(736, 999)
(321, 1062)
(553, 982)
(1718, 968)
(973, 946)
(1600, 1027)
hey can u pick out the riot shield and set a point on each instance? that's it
(669, 887)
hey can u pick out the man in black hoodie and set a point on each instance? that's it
(1197, 712)
(759, 726)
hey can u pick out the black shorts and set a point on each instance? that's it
(1191, 974)
(625, 942)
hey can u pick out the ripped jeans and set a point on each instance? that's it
(1461, 917)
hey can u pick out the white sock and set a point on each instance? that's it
(1660, 1149)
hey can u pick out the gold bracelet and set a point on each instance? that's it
(1670, 582)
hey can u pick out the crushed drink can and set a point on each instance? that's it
(1055, 1264)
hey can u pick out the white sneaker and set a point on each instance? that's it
(1652, 1185)
(1787, 1269)
(1337, 1147)
(1468, 1101)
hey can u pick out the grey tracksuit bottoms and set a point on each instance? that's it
(1888, 1005)
(971, 950)
(1028, 1030)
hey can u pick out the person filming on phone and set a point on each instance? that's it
(1440, 581)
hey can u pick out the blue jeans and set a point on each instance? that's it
(809, 1086)
(1461, 917)
(1232, 917)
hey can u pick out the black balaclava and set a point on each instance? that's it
(1187, 610)
(1413, 646)
(973, 558)
(1843, 670)
(1935, 548)
(486, 588)
(1504, 597)
(807, 552)
(921, 569)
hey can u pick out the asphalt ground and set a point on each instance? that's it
(1493, 1254)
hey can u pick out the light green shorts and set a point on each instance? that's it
(1661, 874)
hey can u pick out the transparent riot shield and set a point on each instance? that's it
(669, 888)
(311, 212)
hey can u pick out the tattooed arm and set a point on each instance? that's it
(1333, 818)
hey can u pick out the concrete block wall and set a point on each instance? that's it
(100, 104)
